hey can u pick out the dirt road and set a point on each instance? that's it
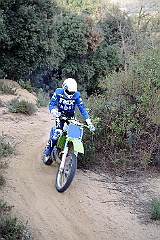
(94, 207)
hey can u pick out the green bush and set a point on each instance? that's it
(127, 135)
(7, 89)
(26, 85)
(22, 106)
(1, 103)
(155, 209)
(5, 150)
(2, 179)
(42, 99)
(33, 45)
(5, 147)
(10, 228)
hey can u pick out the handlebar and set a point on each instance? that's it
(74, 120)
(68, 121)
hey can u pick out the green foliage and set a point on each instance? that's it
(127, 135)
(5, 150)
(26, 85)
(87, 57)
(22, 106)
(144, 82)
(155, 209)
(28, 36)
(90, 7)
(10, 228)
(1, 103)
(117, 26)
(87, 160)
(42, 98)
(40, 45)
(7, 89)
(71, 35)
(2, 179)
(71, 30)
(5, 147)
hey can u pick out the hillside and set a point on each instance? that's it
(96, 206)
(133, 6)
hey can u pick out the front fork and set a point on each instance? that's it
(64, 155)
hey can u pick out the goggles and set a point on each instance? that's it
(68, 92)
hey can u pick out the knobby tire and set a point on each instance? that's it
(64, 179)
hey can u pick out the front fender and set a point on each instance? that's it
(77, 144)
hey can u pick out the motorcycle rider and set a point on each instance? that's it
(66, 99)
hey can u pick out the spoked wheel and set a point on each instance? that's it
(64, 177)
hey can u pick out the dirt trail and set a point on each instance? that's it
(94, 207)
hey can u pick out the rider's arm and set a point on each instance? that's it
(84, 113)
(81, 107)
(54, 100)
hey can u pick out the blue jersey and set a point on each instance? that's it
(67, 105)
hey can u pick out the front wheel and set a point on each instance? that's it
(64, 177)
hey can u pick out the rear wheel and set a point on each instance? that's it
(64, 177)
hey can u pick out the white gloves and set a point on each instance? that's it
(90, 125)
(55, 113)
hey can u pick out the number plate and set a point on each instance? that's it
(75, 131)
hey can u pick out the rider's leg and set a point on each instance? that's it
(49, 146)
(54, 135)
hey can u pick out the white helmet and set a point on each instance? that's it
(70, 87)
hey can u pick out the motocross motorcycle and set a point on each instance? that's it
(65, 153)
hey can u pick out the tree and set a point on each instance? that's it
(79, 38)
(28, 37)
(90, 7)
(87, 56)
